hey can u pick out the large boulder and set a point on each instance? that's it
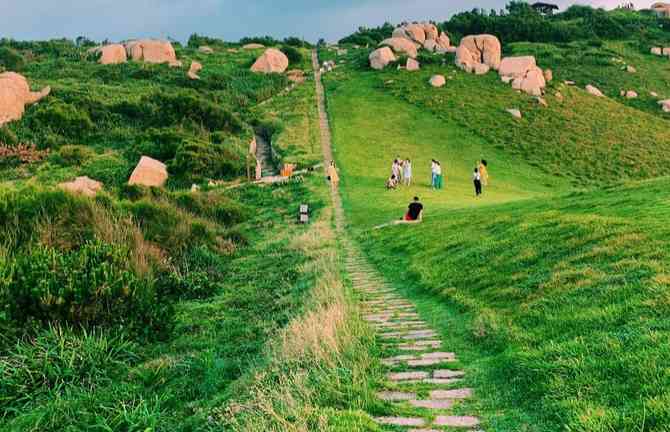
(111, 54)
(443, 41)
(666, 52)
(272, 61)
(152, 51)
(532, 82)
(631, 94)
(437, 81)
(149, 172)
(593, 90)
(416, 32)
(665, 104)
(481, 69)
(296, 76)
(483, 49)
(401, 45)
(15, 94)
(430, 45)
(516, 66)
(381, 57)
(83, 186)
(431, 32)
(193, 71)
(657, 51)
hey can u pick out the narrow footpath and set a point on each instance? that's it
(264, 156)
(422, 379)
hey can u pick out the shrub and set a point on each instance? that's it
(73, 155)
(293, 54)
(92, 285)
(212, 205)
(11, 59)
(7, 136)
(62, 118)
(107, 168)
(197, 161)
(189, 285)
(160, 144)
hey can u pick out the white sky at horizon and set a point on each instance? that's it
(226, 19)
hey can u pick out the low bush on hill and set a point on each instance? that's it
(11, 60)
(293, 54)
(196, 160)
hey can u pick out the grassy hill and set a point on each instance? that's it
(553, 285)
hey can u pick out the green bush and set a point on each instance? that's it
(107, 168)
(294, 55)
(197, 161)
(11, 59)
(72, 155)
(189, 285)
(62, 118)
(7, 136)
(212, 205)
(92, 285)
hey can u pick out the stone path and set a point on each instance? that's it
(264, 156)
(423, 378)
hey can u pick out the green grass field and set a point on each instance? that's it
(555, 297)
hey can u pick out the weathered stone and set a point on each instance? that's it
(593, 90)
(630, 69)
(481, 69)
(193, 71)
(665, 104)
(380, 58)
(475, 49)
(205, 49)
(430, 45)
(400, 421)
(152, 51)
(548, 75)
(657, 51)
(272, 61)
(438, 81)
(416, 32)
(630, 94)
(401, 45)
(111, 54)
(253, 46)
(432, 404)
(15, 94)
(516, 66)
(296, 76)
(395, 396)
(82, 185)
(412, 65)
(515, 112)
(443, 41)
(439, 355)
(431, 31)
(451, 394)
(402, 376)
(149, 172)
(456, 421)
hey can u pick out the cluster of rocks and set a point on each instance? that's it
(408, 40)
(145, 50)
(479, 53)
(148, 172)
(661, 51)
(524, 74)
(15, 94)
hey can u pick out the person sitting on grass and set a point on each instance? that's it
(414, 212)
(392, 182)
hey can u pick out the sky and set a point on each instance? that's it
(227, 19)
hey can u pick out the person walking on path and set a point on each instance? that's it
(438, 175)
(332, 175)
(484, 172)
(477, 180)
(407, 173)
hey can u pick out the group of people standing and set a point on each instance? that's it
(401, 173)
(436, 178)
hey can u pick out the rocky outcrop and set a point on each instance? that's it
(152, 51)
(430, 45)
(524, 74)
(431, 32)
(296, 76)
(149, 172)
(193, 71)
(443, 41)
(401, 45)
(483, 49)
(593, 90)
(381, 57)
(15, 94)
(111, 54)
(416, 32)
(272, 61)
(437, 81)
(82, 186)
(657, 51)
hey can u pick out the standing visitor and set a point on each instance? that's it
(438, 175)
(484, 172)
(433, 175)
(332, 175)
(395, 169)
(477, 179)
(407, 173)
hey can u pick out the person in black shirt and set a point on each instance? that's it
(414, 211)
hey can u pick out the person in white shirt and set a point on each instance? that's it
(433, 175)
(477, 180)
(407, 172)
(438, 175)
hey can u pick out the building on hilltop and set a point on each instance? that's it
(661, 9)
(544, 8)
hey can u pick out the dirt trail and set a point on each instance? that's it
(422, 379)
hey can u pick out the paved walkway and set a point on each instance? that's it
(264, 156)
(422, 376)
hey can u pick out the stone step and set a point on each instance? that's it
(463, 393)
(433, 404)
(394, 396)
(456, 421)
(401, 421)
(440, 374)
(420, 345)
